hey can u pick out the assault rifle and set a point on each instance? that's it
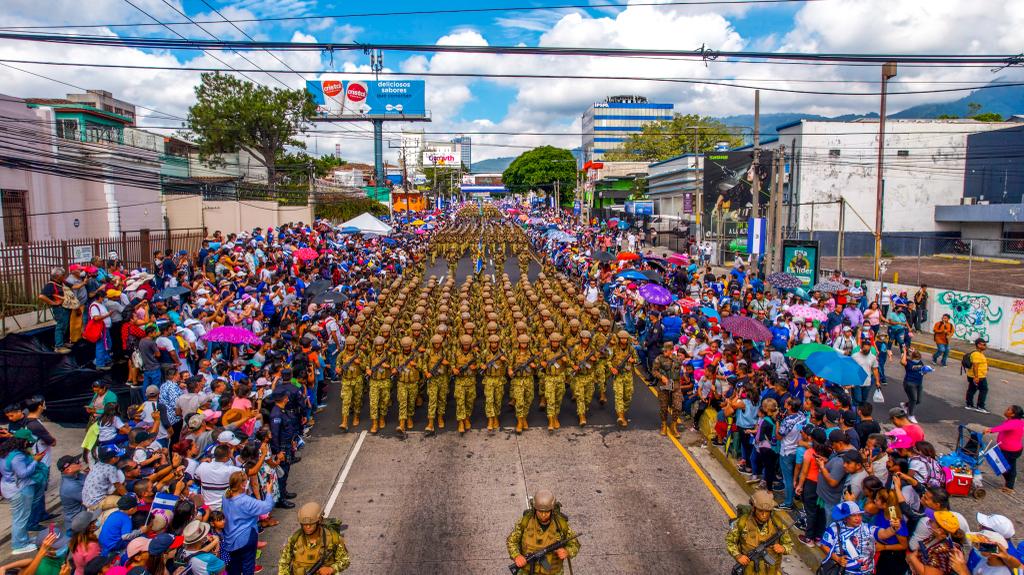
(523, 365)
(611, 376)
(552, 361)
(760, 554)
(466, 365)
(406, 364)
(375, 368)
(494, 360)
(437, 366)
(347, 364)
(541, 556)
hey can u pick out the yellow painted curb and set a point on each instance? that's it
(954, 354)
(986, 259)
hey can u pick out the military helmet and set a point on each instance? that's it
(466, 340)
(762, 500)
(379, 340)
(549, 324)
(442, 328)
(417, 326)
(606, 322)
(436, 338)
(469, 326)
(386, 328)
(351, 341)
(585, 334)
(623, 334)
(543, 500)
(574, 322)
(493, 339)
(310, 513)
(406, 341)
(523, 338)
(556, 337)
(492, 326)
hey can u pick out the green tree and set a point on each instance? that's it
(231, 114)
(973, 108)
(539, 169)
(987, 117)
(447, 180)
(665, 139)
(294, 166)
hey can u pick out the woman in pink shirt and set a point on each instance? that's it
(1010, 434)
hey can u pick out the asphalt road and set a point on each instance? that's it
(445, 504)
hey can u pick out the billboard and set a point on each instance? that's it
(440, 159)
(800, 258)
(727, 192)
(362, 99)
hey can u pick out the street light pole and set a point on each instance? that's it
(888, 72)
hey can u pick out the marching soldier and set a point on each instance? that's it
(464, 370)
(521, 370)
(554, 370)
(754, 528)
(494, 372)
(621, 364)
(603, 340)
(543, 525)
(438, 371)
(351, 371)
(666, 375)
(583, 359)
(409, 373)
(379, 372)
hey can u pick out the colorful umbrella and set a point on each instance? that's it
(168, 293)
(604, 257)
(418, 222)
(349, 230)
(836, 367)
(232, 334)
(782, 280)
(653, 276)
(688, 303)
(828, 286)
(678, 259)
(420, 231)
(804, 350)
(746, 327)
(305, 254)
(632, 275)
(627, 256)
(808, 312)
(655, 294)
(710, 312)
(623, 225)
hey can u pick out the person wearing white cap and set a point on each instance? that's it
(989, 556)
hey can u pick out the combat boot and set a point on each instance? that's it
(408, 424)
(542, 404)
(400, 430)
(583, 420)
(355, 420)
(551, 424)
(526, 423)
(380, 424)
(621, 419)
(462, 427)
(430, 426)
(664, 428)
(603, 399)
(467, 424)
(373, 426)
(344, 423)
(519, 425)
(440, 422)
(557, 424)
(673, 430)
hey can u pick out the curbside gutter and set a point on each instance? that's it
(958, 355)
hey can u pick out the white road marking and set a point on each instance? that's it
(344, 474)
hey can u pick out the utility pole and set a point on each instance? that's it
(842, 232)
(699, 220)
(888, 72)
(755, 186)
(558, 199)
(777, 199)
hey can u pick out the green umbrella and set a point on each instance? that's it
(805, 349)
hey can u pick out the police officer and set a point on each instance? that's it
(314, 543)
(755, 527)
(541, 526)
(282, 432)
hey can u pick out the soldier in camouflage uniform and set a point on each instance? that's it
(621, 364)
(603, 340)
(379, 372)
(314, 542)
(408, 372)
(534, 532)
(583, 360)
(554, 368)
(521, 369)
(494, 371)
(437, 372)
(464, 370)
(351, 371)
(665, 370)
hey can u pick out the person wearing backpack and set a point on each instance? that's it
(317, 541)
(975, 365)
(755, 524)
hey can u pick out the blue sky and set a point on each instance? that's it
(465, 105)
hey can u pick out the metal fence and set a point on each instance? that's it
(991, 266)
(25, 268)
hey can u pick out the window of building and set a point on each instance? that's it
(68, 129)
(101, 133)
(15, 213)
(833, 153)
(1013, 238)
(902, 153)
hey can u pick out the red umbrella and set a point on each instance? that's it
(678, 259)
(627, 256)
(306, 254)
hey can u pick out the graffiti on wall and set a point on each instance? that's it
(1017, 324)
(971, 314)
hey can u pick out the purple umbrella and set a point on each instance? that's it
(232, 334)
(746, 328)
(655, 294)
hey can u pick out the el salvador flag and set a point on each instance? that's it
(997, 461)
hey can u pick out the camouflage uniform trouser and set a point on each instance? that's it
(521, 391)
(622, 387)
(437, 396)
(465, 395)
(494, 393)
(554, 390)
(583, 391)
(380, 397)
(601, 373)
(351, 396)
(407, 399)
(665, 406)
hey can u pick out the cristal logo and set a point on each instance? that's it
(356, 92)
(332, 88)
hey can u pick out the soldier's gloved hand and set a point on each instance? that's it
(520, 561)
(743, 560)
(562, 553)
(778, 548)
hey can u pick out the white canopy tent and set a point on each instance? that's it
(368, 224)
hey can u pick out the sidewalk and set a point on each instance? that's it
(957, 349)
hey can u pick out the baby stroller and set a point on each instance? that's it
(963, 466)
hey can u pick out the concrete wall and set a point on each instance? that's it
(231, 216)
(988, 236)
(184, 211)
(999, 319)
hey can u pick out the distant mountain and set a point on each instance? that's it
(492, 166)
(771, 122)
(1003, 100)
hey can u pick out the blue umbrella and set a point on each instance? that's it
(390, 241)
(623, 225)
(633, 275)
(710, 312)
(836, 368)
(350, 230)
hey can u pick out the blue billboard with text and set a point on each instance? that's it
(369, 99)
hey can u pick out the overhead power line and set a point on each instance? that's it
(440, 12)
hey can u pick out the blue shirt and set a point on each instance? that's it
(242, 513)
(71, 495)
(117, 525)
(780, 337)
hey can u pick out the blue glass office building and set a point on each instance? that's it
(607, 124)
